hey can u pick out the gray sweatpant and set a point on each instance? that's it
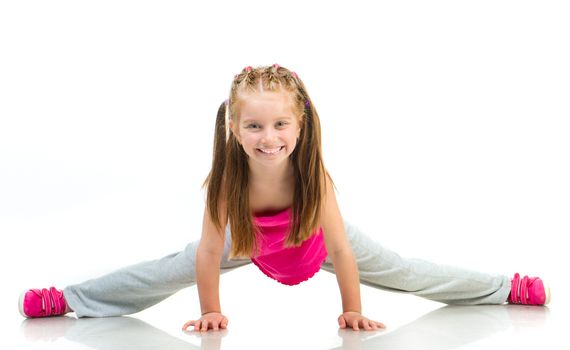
(137, 287)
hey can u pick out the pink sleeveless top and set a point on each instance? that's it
(291, 265)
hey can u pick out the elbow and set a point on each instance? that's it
(342, 253)
(204, 252)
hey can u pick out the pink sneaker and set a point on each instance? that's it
(529, 291)
(42, 303)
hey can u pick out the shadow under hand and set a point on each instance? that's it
(449, 327)
(111, 333)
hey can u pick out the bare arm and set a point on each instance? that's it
(208, 256)
(348, 280)
(340, 252)
(346, 270)
(208, 280)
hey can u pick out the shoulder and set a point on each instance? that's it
(329, 205)
(328, 201)
(216, 210)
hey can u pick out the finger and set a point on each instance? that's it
(342, 322)
(366, 325)
(204, 326)
(197, 325)
(215, 325)
(380, 325)
(355, 325)
(187, 324)
(224, 323)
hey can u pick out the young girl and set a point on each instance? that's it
(268, 187)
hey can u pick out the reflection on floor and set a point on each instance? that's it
(448, 327)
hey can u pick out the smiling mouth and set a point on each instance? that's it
(270, 151)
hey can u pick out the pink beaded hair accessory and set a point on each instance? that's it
(276, 66)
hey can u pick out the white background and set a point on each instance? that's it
(445, 127)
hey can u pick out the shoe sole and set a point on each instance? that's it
(546, 292)
(21, 304)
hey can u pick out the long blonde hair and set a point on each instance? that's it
(229, 174)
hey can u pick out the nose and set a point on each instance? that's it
(269, 135)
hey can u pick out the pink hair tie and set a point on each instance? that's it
(248, 69)
(276, 66)
(294, 74)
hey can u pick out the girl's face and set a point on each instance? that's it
(267, 127)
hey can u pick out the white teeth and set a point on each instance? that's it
(270, 151)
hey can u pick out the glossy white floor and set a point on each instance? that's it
(304, 317)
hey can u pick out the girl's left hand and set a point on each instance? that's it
(356, 320)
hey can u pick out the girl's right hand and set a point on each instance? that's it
(213, 320)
